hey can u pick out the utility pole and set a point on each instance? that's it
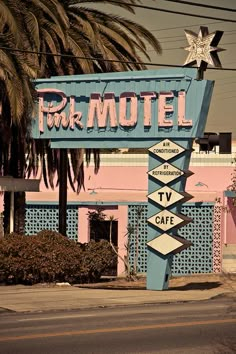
(63, 191)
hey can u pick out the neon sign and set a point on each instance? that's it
(102, 112)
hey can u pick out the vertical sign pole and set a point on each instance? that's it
(63, 191)
(166, 184)
(158, 265)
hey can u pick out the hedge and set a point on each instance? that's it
(52, 257)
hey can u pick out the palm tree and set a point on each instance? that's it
(16, 93)
(17, 70)
(106, 36)
(70, 31)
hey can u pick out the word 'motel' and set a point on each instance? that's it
(104, 110)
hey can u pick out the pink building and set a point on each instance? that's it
(120, 187)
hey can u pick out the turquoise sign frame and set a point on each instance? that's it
(148, 89)
(132, 109)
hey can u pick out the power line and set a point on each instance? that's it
(184, 39)
(180, 2)
(174, 12)
(178, 48)
(176, 27)
(226, 33)
(104, 60)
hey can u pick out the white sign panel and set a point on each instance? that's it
(165, 244)
(166, 173)
(166, 220)
(166, 196)
(166, 149)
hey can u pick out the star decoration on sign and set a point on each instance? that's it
(203, 48)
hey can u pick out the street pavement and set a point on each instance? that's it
(63, 296)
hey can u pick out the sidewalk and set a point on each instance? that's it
(44, 297)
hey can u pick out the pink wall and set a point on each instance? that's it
(115, 179)
(129, 183)
(215, 178)
(230, 227)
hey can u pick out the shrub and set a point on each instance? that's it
(97, 258)
(52, 257)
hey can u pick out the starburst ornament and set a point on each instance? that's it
(203, 48)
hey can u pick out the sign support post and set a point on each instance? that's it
(63, 191)
(165, 109)
(167, 178)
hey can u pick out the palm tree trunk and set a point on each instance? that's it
(15, 169)
(1, 226)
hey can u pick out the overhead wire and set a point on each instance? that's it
(178, 48)
(176, 27)
(102, 59)
(174, 12)
(182, 36)
(180, 2)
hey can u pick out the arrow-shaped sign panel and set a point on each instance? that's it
(167, 173)
(166, 220)
(166, 244)
(167, 196)
(166, 149)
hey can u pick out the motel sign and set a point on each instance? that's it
(103, 114)
(161, 110)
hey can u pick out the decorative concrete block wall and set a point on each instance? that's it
(199, 258)
(46, 217)
(196, 259)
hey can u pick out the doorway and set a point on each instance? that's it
(100, 230)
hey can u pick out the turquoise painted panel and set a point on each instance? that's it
(198, 96)
(137, 216)
(46, 217)
(230, 194)
(196, 259)
(199, 257)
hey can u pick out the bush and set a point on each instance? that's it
(97, 258)
(52, 257)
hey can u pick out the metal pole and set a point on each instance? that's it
(11, 212)
(63, 191)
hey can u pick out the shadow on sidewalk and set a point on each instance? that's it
(197, 286)
(142, 286)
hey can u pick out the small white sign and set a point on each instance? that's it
(166, 196)
(166, 220)
(166, 173)
(166, 149)
(165, 244)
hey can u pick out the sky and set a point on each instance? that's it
(169, 30)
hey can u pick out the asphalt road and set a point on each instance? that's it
(201, 327)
